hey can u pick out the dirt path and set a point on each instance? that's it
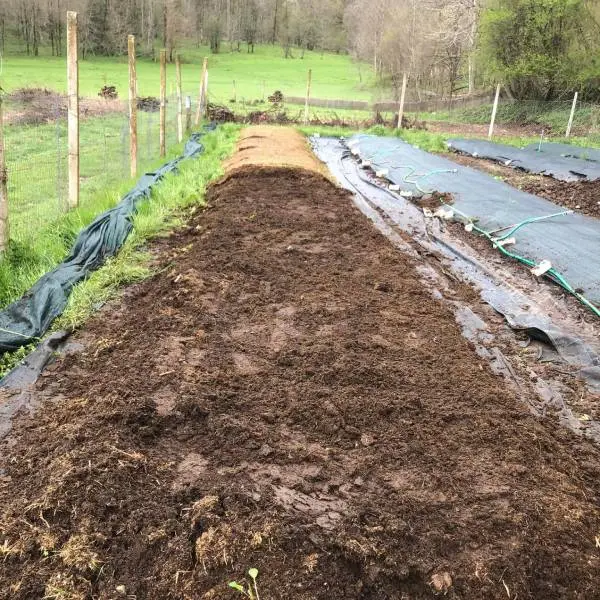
(284, 394)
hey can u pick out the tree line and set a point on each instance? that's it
(538, 49)
(104, 24)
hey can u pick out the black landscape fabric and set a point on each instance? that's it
(565, 151)
(549, 162)
(570, 242)
(27, 319)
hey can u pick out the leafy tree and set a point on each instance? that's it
(535, 47)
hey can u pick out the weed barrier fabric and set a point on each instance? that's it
(565, 151)
(27, 319)
(550, 163)
(569, 242)
(506, 300)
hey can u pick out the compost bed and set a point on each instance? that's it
(285, 394)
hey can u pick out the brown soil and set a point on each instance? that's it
(581, 196)
(270, 146)
(480, 130)
(285, 394)
(434, 201)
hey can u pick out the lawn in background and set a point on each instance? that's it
(335, 76)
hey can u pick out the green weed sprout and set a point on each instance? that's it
(249, 592)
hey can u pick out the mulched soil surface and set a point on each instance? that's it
(580, 196)
(285, 394)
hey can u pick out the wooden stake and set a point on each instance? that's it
(205, 99)
(3, 190)
(202, 92)
(188, 114)
(179, 100)
(132, 107)
(163, 102)
(306, 105)
(572, 115)
(234, 92)
(402, 98)
(494, 111)
(73, 108)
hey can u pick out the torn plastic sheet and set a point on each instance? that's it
(570, 242)
(532, 311)
(549, 163)
(27, 319)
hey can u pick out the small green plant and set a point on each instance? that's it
(252, 590)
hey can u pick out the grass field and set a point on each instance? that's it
(42, 231)
(334, 76)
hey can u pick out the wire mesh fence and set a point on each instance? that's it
(36, 153)
(36, 133)
(279, 101)
(527, 117)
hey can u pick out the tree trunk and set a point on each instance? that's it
(274, 38)
(165, 24)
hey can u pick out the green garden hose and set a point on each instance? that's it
(552, 273)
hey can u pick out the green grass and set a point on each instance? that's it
(172, 202)
(37, 164)
(256, 75)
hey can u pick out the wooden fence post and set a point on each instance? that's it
(3, 189)
(234, 92)
(73, 108)
(202, 92)
(306, 105)
(494, 111)
(572, 115)
(205, 95)
(402, 99)
(179, 100)
(188, 114)
(163, 102)
(132, 107)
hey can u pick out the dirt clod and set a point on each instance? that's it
(441, 582)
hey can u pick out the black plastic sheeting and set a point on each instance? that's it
(549, 162)
(565, 150)
(569, 242)
(575, 346)
(27, 319)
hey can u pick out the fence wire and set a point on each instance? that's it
(36, 133)
(279, 100)
(36, 153)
